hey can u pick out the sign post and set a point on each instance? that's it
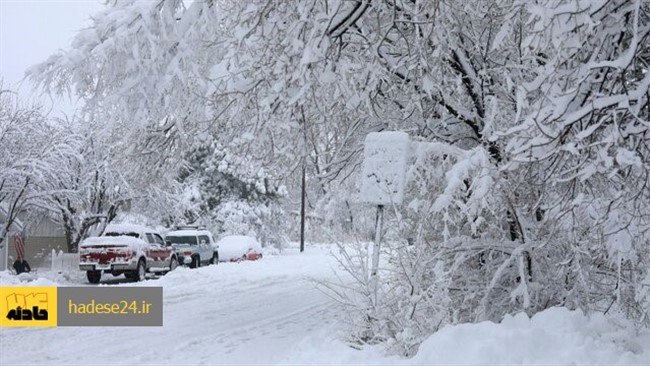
(378, 225)
(382, 182)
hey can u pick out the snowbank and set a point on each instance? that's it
(555, 336)
(44, 277)
(8, 279)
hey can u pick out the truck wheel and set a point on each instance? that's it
(215, 258)
(196, 262)
(94, 276)
(173, 263)
(141, 272)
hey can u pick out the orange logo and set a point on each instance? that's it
(28, 306)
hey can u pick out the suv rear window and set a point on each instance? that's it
(182, 239)
(113, 233)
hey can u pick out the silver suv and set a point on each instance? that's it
(194, 246)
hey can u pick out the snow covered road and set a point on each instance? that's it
(269, 312)
(233, 313)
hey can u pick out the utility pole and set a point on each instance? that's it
(303, 195)
(302, 210)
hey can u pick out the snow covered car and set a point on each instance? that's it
(194, 245)
(239, 247)
(132, 250)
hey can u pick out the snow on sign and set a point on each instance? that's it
(384, 167)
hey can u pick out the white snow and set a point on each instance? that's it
(556, 336)
(270, 312)
(112, 240)
(627, 157)
(125, 228)
(188, 232)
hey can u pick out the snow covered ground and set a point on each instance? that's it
(269, 312)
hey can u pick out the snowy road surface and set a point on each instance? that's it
(250, 312)
(269, 312)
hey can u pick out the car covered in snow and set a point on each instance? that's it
(239, 247)
(194, 245)
(132, 250)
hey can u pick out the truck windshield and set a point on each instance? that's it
(182, 239)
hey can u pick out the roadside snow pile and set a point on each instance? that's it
(43, 277)
(9, 279)
(25, 279)
(556, 336)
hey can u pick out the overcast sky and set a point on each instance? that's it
(31, 30)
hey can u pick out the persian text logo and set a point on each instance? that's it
(28, 306)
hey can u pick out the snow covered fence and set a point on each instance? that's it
(64, 262)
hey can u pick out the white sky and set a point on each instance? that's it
(31, 30)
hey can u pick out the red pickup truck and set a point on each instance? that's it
(132, 250)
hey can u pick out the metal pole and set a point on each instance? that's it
(302, 211)
(376, 249)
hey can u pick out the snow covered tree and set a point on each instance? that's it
(92, 189)
(583, 140)
(532, 191)
(230, 195)
(205, 68)
(33, 153)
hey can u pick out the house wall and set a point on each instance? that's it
(41, 226)
(41, 235)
